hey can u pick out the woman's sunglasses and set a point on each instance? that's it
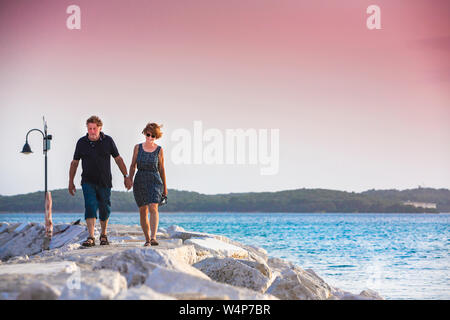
(148, 135)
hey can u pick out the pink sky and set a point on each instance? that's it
(356, 108)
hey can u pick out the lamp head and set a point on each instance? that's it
(26, 148)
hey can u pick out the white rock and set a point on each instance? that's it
(259, 265)
(177, 242)
(162, 230)
(262, 251)
(39, 290)
(345, 295)
(217, 248)
(22, 226)
(314, 275)
(38, 268)
(135, 264)
(69, 247)
(172, 261)
(68, 236)
(234, 272)
(252, 250)
(7, 296)
(278, 264)
(256, 252)
(4, 226)
(184, 235)
(174, 229)
(297, 284)
(15, 283)
(371, 294)
(142, 293)
(122, 238)
(180, 284)
(100, 285)
(27, 242)
(19, 259)
(13, 226)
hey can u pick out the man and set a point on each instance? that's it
(95, 149)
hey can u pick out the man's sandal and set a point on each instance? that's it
(147, 244)
(104, 240)
(90, 242)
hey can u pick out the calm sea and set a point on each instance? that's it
(402, 256)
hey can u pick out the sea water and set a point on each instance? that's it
(401, 256)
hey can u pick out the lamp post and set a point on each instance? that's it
(47, 196)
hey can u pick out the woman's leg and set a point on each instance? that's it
(154, 219)
(143, 211)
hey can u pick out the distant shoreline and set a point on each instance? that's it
(419, 200)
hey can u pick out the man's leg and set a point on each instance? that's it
(90, 206)
(90, 222)
(104, 225)
(104, 207)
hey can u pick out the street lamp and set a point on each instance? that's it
(46, 146)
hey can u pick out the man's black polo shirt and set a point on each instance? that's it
(96, 160)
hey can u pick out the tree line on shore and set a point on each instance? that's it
(298, 200)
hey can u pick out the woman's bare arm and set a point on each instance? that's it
(133, 162)
(162, 171)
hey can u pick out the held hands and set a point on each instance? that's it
(128, 183)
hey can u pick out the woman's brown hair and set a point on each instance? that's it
(154, 129)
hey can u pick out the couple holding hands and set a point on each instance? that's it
(149, 185)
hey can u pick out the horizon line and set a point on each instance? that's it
(373, 189)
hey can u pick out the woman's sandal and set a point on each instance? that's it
(104, 242)
(152, 242)
(90, 242)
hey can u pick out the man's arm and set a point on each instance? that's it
(117, 158)
(72, 172)
(121, 165)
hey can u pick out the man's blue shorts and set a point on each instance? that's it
(96, 197)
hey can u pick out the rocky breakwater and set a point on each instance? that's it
(186, 265)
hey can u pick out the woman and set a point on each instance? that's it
(149, 185)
